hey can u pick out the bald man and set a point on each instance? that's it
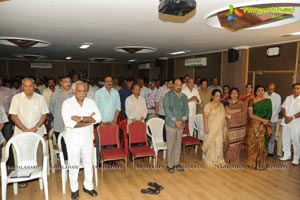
(79, 115)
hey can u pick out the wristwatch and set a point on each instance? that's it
(81, 119)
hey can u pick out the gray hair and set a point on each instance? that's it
(27, 79)
(75, 84)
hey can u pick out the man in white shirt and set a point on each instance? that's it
(185, 80)
(291, 125)
(193, 99)
(215, 85)
(28, 110)
(49, 90)
(276, 107)
(79, 115)
(150, 96)
(135, 105)
(143, 89)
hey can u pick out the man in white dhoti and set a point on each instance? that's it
(193, 99)
(79, 115)
(291, 125)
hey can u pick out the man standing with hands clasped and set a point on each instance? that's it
(79, 115)
(177, 111)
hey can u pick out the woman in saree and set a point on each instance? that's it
(236, 120)
(215, 131)
(260, 112)
(249, 94)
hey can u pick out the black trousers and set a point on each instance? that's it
(7, 134)
(63, 145)
(164, 131)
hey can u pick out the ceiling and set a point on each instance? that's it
(112, 23)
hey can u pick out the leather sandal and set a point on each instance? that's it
(93, 193)
(150, 191)
(155, 185)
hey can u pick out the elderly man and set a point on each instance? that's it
(276, 104)
(56, 101)
(291, 125)
(193, 99)
(79, 115)
(135, 105)
(28, 110)
(177, 112)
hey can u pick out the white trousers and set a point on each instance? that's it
(75, 152)
(291, 135)
(191, 125)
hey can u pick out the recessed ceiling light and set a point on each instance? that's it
(68, 58)
(85, 45)
(24, 43)
(101, 59)
(179, 52)
(29, 56)
(135, 49)
(132, 60)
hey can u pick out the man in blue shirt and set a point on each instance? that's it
(108, 101)
(177, 111)
(124, 93)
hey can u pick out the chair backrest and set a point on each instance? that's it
(156, 126)
(26, 146)
(137, 132)
(109, 135)
(123, 125)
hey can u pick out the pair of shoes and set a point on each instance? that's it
(179, 168)
(270, 154)
(295, 162)
(155, 186)
(93, 193)
(154, 190)
(150, 191)
(285, 158)
(171, 169)
(75, 195)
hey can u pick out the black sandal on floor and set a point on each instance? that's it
(155, 185)
(93, 193)
(149, 191)
(75, 195)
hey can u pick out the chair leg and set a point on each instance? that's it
(52, 155)
(196, 148)
(4, 188)
(63, 180)
(133, 164)
(126, 166)
(183, 152)
(45, 183)
(15, 188)
(102, 174)
(41, 183)
(165, 154)
(155, 161)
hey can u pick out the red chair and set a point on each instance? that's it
(123, 127)
(137, 135)
(189, 140)
(109, 136)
